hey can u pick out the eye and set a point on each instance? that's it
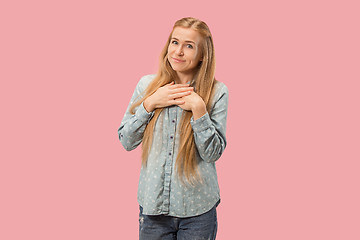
(174, 42)
(190, 46)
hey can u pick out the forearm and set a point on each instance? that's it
(209, 128)
(149, 104)
(132, 128)
(199, 110)
(209, 138)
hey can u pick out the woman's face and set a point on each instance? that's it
(183, 52)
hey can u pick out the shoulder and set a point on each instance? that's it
(220, 90)
(220, 96)
(144, 82)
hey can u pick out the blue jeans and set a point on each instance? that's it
(162, 227)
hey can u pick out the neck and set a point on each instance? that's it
(183, 78)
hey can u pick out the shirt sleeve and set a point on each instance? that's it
(132, 126)
(210, 129)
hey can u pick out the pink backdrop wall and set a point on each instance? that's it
(68, 69)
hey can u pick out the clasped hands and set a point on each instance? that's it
(176, 94)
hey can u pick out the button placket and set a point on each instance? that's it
(169, 160)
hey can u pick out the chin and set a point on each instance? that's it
(174, 68)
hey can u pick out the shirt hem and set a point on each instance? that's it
(217, 202)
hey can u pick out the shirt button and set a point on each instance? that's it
(171, 137)
(170, 154)
(173, 121)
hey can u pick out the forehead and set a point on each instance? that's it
(186, 34)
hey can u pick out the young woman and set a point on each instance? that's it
(179, 116)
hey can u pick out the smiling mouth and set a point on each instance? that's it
(178, 60)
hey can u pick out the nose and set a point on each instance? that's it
(179, 50)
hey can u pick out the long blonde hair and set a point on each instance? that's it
(186, 162)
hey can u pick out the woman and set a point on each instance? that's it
(179, 116)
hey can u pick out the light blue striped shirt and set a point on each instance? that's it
(160, 191)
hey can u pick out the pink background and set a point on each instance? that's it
(68, 69)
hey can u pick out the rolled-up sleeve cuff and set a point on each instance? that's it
(201, 124)
(142, 115)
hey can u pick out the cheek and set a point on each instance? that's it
(169, 53)
(195, 59)
(170, 49)
(196, 55)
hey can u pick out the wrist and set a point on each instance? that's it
(198, 110)
(149, 107)
(199, 106)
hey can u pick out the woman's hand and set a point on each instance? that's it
(193, 102)
(168, 95)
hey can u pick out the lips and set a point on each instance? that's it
(178, 60)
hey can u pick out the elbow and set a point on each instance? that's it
(212, 154)
(217, 157)
(214, 150)
(125, 142)
(127, 146)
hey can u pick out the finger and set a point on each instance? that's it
(182, 89)
(169, 84)
(177, 102)
(179, 95)
(180, 85)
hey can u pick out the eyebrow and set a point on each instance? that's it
(185, 41)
